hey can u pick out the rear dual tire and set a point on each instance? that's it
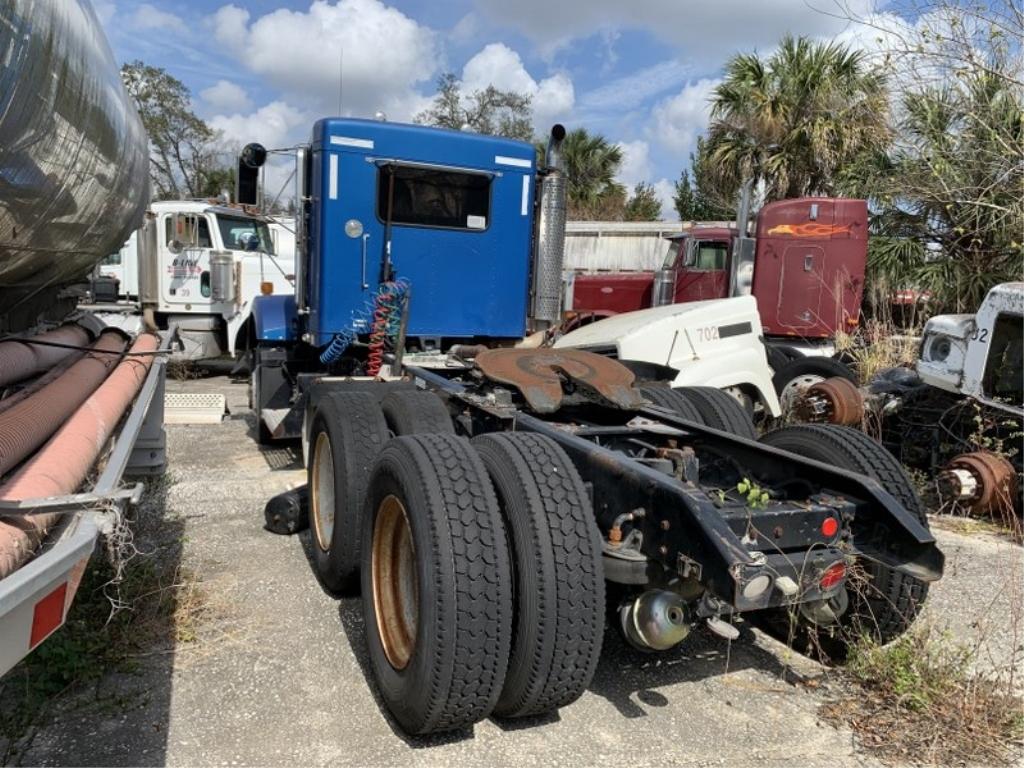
(348, 431)
(479, 598)
(436, 584)
(558, 620)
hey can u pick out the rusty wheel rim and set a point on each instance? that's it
(795, 390)
(395, 587)
(321, 499)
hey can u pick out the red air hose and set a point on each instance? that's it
(379, 333)
(63, 463)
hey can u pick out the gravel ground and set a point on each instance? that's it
(278, 674)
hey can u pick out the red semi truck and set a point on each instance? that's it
(805, 267)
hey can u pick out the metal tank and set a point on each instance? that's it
(74, 165)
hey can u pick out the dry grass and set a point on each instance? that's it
(919, 700)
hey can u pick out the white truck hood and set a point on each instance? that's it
(715, 343)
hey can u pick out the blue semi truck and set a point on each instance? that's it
(494, 502)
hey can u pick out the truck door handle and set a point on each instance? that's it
(808, 263)
(366, 236)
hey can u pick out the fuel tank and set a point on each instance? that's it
(74, 165)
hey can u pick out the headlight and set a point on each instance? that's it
(939, 349)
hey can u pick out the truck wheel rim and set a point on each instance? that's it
(393, 567)
(795, 390)
(322, 492)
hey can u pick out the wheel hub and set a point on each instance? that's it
(321, 497)
(395, 587)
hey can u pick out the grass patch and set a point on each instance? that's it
(149, 606)
(918, 700)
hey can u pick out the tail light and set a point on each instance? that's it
(266, 288)
(829, 527)
(832, 576)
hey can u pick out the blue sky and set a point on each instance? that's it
(639, 72)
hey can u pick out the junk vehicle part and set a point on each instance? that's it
(288, 512)
(836, 400)
(793, 379)
(981, 481)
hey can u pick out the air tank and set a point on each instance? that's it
(74, 165)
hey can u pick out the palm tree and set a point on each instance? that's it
(591, 163)
(796, 119)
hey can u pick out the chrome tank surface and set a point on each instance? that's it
(74, 165)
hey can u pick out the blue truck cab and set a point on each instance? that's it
(451, 212)
(450, 216)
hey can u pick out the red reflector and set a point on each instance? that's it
(834, 574)
(830, 527)
(47, 615)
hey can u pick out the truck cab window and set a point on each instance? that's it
(203, 235)
(233, 228)
(428, 197)
(1004, 367)
(711, 255)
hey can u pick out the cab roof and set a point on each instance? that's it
(419, 143)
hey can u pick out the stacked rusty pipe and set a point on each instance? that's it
(63, 463)
(23, 358)
(28, 424)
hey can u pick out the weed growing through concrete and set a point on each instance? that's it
(919, 700)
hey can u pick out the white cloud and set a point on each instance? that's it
(148, 17)
(677, 121)
(637, 167)
(708, 32)
(226, 97)
(498, 65)
(636, 163)
(635, 88)
(376, 52)
(666, 191)
(466, 29)
(276, 124)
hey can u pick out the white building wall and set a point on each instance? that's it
(620, 246)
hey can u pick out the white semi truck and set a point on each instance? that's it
(199, 265)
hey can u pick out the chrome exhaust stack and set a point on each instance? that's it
(549, 255)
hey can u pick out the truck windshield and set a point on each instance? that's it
(232, 229)
(429, 197)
